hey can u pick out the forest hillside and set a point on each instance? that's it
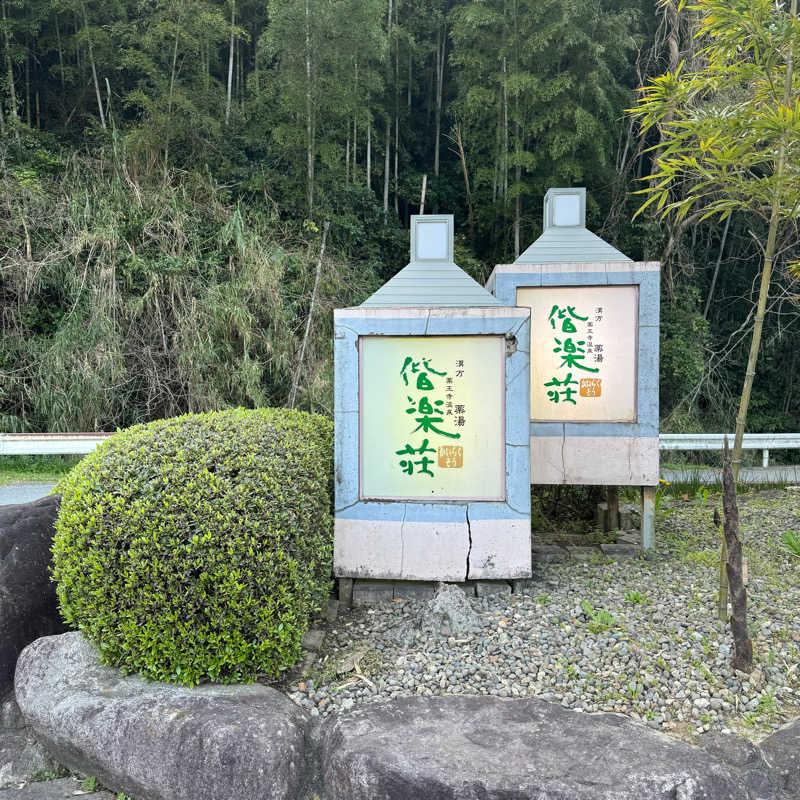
(167, 168)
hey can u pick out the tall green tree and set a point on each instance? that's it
(539, 86)
(163, 48)
(324, 56)
(729, 136)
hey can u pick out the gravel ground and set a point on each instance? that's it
(636, 637)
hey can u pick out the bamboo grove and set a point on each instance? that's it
(167, 170)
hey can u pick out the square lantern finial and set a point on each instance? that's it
(565, 208)
(432, 239)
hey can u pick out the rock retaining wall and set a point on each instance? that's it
(160, 742)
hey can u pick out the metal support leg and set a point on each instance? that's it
(765, 458)
(648, 518)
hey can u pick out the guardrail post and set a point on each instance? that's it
(648, 518)
(765, 458)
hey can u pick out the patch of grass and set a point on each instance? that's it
(89, 784)
(637, 598)
(706, 558)
(49, 775)
(44, 469)
(791, 542)
(599, 619)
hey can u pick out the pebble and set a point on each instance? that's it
(665, 661)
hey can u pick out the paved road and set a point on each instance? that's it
(746, 475)
(23, 492)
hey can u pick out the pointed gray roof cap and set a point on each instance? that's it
(565, 238)
(431, 278)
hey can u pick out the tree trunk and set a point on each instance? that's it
(396, 161)
(386, 152)
(76, 27)
(230, 66)
(60, 53)
(298, 370)
(410, 71)
(309, 121)
(742, 646)
(28, 86)
(369, 154)
(12, 94)
(422, 194)
(517, 212)
(172, 75)
(716, 268)
(766, 275)
(497, 145)
(504, 165)
(355, 122)
(240, 75)
(94, 69)
(347, 156)
(463, 158)
(387, 167)
(355, 146)
(441, 49)
(396, 109)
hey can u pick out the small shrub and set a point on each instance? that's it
(195, 548)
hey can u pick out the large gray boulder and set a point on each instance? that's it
(782, 751)
(745, 758)
(157, 741)
(21, 756)
(59, 789)
(28, 606)
(486, 748)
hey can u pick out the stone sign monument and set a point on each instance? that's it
(431, 416)
(594, 354)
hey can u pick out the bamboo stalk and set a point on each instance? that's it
(296, 381)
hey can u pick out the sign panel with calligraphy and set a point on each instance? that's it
(583, 352)
(432, 417)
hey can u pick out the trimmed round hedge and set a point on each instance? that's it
(196, 548)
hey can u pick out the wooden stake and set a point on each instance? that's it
(422, 196)
(612, 499)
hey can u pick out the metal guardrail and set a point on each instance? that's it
(38, 444)
(714, 441)
(28, 444)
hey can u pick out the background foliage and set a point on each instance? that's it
(166, 167)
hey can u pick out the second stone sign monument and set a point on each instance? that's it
(594, 355)
(431, 415)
